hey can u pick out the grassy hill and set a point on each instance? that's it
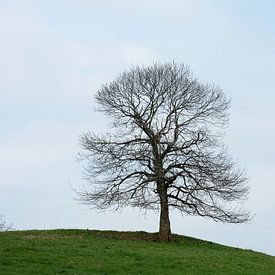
(110, 252)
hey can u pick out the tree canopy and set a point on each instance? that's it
(165, 148)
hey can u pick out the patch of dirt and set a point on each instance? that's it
(134, 236)
(143, 236)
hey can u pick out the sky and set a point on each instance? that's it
(55, 55)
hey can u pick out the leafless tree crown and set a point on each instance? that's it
(165, 142)
(3, 225)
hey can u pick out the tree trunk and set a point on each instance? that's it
(164, 223)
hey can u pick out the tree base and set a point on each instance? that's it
(165, 237)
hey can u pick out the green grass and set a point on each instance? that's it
(108, 252)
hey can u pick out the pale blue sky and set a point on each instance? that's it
(54, 55)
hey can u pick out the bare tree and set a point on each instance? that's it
(164, 150)
(3, 225)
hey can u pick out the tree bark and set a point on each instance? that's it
(164, 223)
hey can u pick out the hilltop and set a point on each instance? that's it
(112, 252)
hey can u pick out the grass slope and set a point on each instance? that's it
(109, 252)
